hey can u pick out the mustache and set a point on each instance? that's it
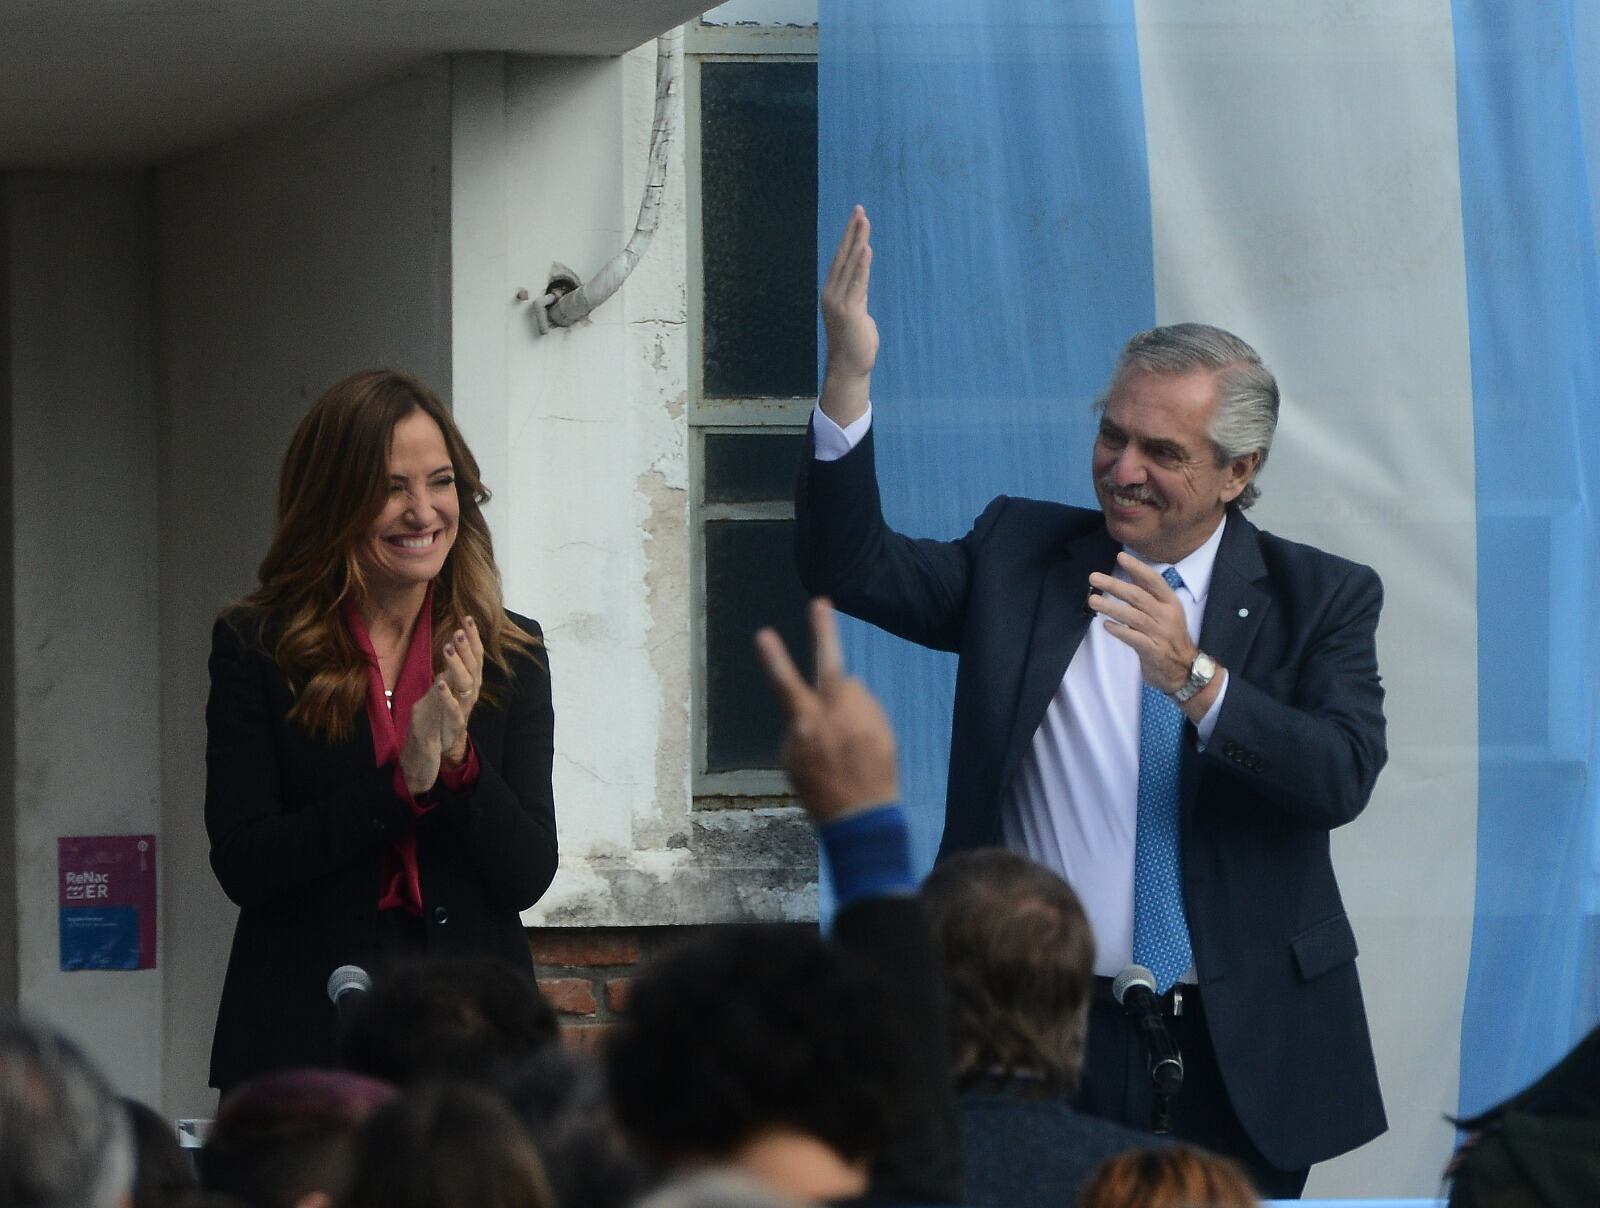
(1139, 494)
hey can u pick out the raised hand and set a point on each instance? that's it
(852, 335)
(839, 749)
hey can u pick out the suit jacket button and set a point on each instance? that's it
(441, 915)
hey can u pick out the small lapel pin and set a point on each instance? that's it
(1244, 612)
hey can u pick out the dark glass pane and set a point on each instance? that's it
(750, 582)
(758, 189)
(749, 468)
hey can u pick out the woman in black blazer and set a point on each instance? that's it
(379, 729)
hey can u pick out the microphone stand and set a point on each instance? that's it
(1166, 1080)
(1134, 991)
(1161, 1112)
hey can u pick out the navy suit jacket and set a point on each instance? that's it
(1298, 744)
(1027, 1152)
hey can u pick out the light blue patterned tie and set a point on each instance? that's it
(1160, 923)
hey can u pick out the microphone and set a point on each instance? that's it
(346, 984)
(1135, 989)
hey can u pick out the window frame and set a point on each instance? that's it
(746, 787)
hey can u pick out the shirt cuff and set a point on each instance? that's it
(1207, 725)
(830, 442)
(465, 775)
(869, 855)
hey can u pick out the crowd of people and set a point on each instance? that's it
(926, 1052)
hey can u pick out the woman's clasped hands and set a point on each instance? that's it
(438, 734)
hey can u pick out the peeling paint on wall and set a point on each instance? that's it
(598, 508)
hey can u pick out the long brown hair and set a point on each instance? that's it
(1172, 1176)
(333, 485)
(446, 1145)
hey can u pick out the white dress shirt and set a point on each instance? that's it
(1073, 805)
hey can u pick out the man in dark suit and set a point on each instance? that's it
(1158, 701)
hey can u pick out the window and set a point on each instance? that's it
(751, 107)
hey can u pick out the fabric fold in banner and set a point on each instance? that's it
(999, 150)
(1528, 89)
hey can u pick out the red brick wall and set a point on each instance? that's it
(584, 972)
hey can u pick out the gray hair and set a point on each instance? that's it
(1247, 393)
(65, 1141)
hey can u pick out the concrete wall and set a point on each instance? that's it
(288, 258)
(166, 332)
(84, 649)
(8, 696)
(583, 437)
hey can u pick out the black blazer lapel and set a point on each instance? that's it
(1061, 618)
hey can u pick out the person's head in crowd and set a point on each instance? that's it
(286, 1139)
(1557, 1116)
(715, 1189)
(1170, 1176)
(1018, 958)
(465, 1017)
(560, 1097)
(446, 1145)
(162, 1172)
(764, 1049)
(65, 1141)
(201, 1198)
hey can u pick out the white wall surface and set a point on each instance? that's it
(85, 640)
(583, 437)
(289, 258)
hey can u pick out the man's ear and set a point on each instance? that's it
(1240, 471)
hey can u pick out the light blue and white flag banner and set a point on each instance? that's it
(1395, 202)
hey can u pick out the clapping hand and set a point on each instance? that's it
(463, 676)
(438, 734)
(1146, 614)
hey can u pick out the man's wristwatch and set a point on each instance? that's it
(1201, 673)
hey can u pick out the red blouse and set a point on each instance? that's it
(390, 718)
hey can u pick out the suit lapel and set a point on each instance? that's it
(1236, 605)
(1060, 620)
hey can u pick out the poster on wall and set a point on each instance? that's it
(107, 901)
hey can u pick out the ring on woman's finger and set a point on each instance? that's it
(464, 695)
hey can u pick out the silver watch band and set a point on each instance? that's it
(1201, 672)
